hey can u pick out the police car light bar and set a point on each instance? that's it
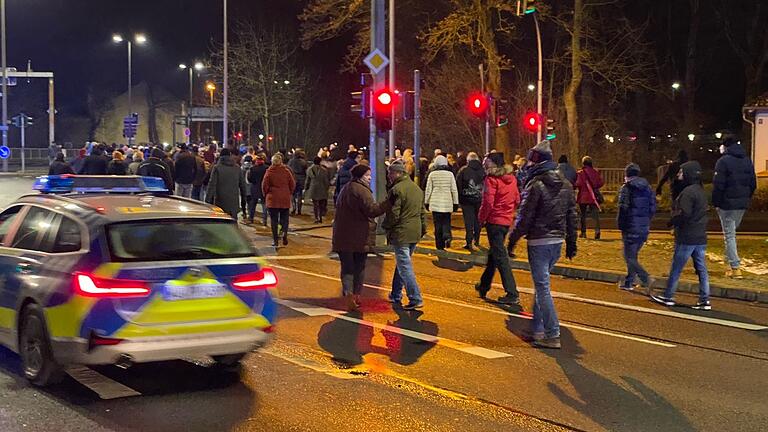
(55, 184)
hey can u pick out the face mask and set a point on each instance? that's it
(722, 149)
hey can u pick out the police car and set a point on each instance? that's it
(101, 270)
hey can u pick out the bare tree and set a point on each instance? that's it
(322, 20)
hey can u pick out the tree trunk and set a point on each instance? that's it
(569, 98)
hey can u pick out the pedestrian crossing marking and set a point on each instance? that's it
(103, 386)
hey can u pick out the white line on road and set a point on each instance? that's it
(495, 311)
(298, 257)
(310, 310)
(105, 387)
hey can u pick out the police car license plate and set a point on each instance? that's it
(195, 291)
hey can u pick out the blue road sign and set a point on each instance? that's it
(5, 152)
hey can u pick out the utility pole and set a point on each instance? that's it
(392, 83)
(23, 123)
(377, 144)
(487, 140)
(225, 136)
(4, 66)
(417, 125)
(540, 83)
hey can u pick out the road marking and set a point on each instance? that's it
(105, 387)
(574, 297)
(298, 257)
(310, 310)
(313, 366)
(486, 309)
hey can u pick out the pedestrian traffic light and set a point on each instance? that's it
(532, 122)
(502, 114)
(361, 102)
(478, 104)
(384, 102)
(525, 7)
(551, 129)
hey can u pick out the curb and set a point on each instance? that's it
(605, 276)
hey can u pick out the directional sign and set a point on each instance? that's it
(376, 61)
(5, 152)
(10, 81)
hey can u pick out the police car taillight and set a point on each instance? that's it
(91, 286)
(262, 279)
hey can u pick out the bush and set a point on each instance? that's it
(760, 199)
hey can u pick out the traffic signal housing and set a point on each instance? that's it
(478, 104)
(409, 105)
(384, 102)
(550, 129)
(501, 111)
(525, 7)
(361, 103)
(532, 122)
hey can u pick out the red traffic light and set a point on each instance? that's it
(383, 101)
(532, 121)
(478, 104)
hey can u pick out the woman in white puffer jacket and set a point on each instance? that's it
(441, 197)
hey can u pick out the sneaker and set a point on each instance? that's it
(548, 343)
(285, 240)
(414, 305)
(393, 300)
(531, 336)
(448, 244)
(624, 286)
(663, 300)
(509, 300)
(702, 305)
(481, 291)
(734, 273)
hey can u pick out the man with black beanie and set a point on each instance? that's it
(546, 218)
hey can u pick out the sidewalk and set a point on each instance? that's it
(601, 260)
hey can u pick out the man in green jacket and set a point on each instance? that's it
(405, 225)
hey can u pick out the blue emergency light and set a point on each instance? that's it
(55, 184)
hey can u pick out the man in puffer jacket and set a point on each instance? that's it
(547, 218)
(442, 198)
(497, 211)
(733, 186)
(637, 205)
(469, 181)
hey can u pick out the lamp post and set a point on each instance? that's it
(198, 66)
(140, 39)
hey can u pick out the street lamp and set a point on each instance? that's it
(675, 85)
(210, 87)
(198, 66)
(140, 39)
(531, 87)
(691, 137)
(718, 135)
(286, 82)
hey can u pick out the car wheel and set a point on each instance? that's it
(229, 360)
(35, 349)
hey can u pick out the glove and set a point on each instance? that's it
(570, 250)
(455, 208)
(426, 206)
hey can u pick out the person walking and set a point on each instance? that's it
(441, 197)
(136, 160)
(198, 190)
(255, 177)
(245, 166)
(354, 231)
(117, 165)
(637, 205)
(589, 181)
(154, 166)
(95, 164)
(689, 218)
(277, 187)
(566, 169)
(547, 219)
(186, 171)
(226, 187)
(469, 182)
(298, 165)
(734, 184)
(344, 175)
(673, 168)
(316, 186)
(59, 166)
(501, 197)
(405, 225)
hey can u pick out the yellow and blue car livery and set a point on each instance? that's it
(118, 278)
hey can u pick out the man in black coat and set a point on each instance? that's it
(96, 163)
(155, 167)
(59, 166)
(733, 186)
(469, 181)
(186, 172)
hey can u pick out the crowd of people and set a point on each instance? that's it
(533, 197)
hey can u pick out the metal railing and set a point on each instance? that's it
(613, 178)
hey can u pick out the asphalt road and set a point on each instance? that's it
(458, 365)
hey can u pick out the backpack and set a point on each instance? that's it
(473, 192)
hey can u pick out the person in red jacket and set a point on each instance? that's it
(497, 211)
(589, 181)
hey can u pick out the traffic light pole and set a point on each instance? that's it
(417, 125)
(4, 67)
(540, 83)
(376, 143)
(23, 141)
(392, 84)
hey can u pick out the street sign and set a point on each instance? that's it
(10, 81)
(130, 125)
(187, 132)
(5, 152)
(376, 61)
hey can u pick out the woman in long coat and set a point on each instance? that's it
(278, 186)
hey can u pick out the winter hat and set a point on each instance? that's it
(632, 170)
(497, 158)
(441, 161)
(729, 142)
(397, 166)
(541, 152)
(359, 170)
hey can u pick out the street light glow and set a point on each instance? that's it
(140, 39)
(210, 86)
(199, 66)
(286, 82)
(116, 38)
(531, 87)
(718, 135)
(691, 137)
(261, 136)
(182, 66)
(675, 85)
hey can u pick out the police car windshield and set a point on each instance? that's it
(176, 240)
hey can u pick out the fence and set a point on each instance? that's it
(32, 156)
(613, 178)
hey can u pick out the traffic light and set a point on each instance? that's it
(384, 102)
(409, 104)
(502, 113)
(361, 103)
(551, 129)
(525, 7)
(532, 122)
(478, 104)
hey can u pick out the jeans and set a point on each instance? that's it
(634, 268)
(542, 259)
(352, 271)
(589, 208)
(320, 208)
(252, 208)
(281, 215)
(184, 190)
(471, 222)
(679, 259)
(498, 258)
(730, 221)
(442, 223)
(404, 274)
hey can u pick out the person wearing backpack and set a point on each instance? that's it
(469, 181)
